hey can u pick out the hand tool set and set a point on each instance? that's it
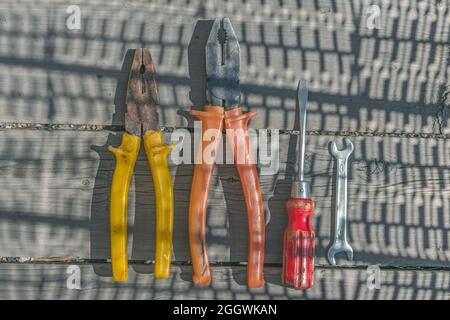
(222, 111)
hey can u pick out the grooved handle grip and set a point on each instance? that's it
(212, 122)
(298, 246)
(126, 156)
(237, 135)
(157, 153)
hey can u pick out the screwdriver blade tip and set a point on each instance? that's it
(302, 92)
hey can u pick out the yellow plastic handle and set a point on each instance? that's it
(157, 153)
(126, 156)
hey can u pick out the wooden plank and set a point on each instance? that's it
(387, 80)
(31, 282)
(57, 184)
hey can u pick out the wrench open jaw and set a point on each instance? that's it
(338, 247)
(344, 153)
(340, 243)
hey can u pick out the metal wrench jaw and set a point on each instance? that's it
(340, 243)
(338, 247)
(344, 153)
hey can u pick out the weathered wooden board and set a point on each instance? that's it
(22, 281)
(390, 79)
(57, 183)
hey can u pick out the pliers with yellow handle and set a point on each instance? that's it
(141, 119)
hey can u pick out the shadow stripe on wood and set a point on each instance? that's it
(360, 80)
(50, 282)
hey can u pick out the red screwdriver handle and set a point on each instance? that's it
(298, 248)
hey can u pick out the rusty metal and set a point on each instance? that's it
(142, 95)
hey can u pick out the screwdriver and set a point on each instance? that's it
(298, 243)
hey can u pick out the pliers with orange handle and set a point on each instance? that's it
(223, 95)
(141, 119)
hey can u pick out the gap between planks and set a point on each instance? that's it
(117, 128)
(86, 261)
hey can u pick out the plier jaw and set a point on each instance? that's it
(142, 95)
(223, 65)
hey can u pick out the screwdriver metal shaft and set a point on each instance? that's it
(300, 188)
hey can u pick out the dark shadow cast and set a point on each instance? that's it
(182, 192)
(281, 194)
(237, 218)
(100, 206)
(332, 202)
(197, 68)
(184, 172)
(144, 238)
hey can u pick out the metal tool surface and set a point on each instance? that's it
(340, 243)
(300, 187)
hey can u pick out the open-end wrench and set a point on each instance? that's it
(340, 243)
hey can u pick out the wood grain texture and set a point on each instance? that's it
(391, 79)
(57, 199)
(50, 282)
(381, 86)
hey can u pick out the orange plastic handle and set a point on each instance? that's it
(212, 122)
(240, 145)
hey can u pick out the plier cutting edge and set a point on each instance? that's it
(222, 109)
(141, 119)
